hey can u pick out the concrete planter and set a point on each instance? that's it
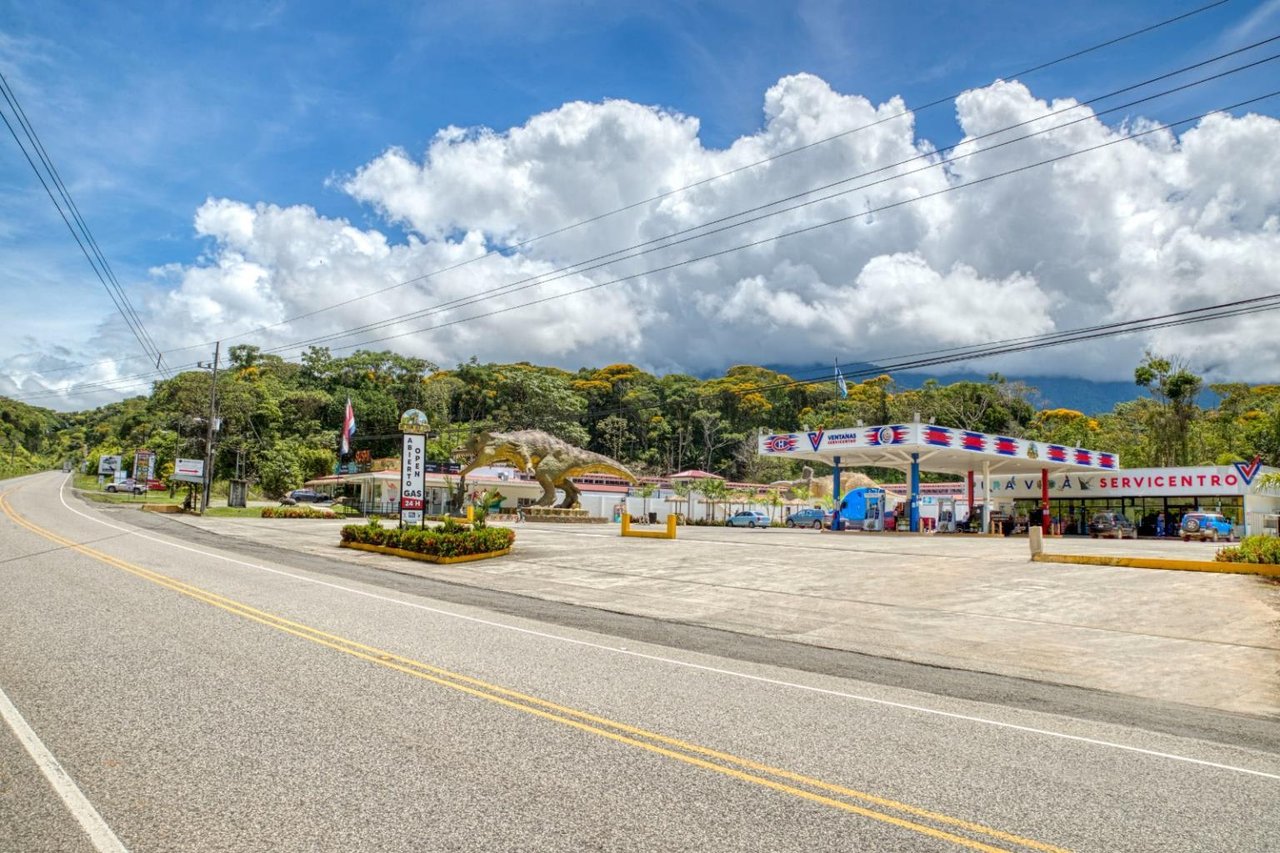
(425, 558)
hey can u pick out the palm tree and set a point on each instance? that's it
(714, 490)
(684, 491)
(645, 491)
(774, 500)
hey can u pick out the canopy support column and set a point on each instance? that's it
(915, 492)
(969, 480)
(835, 493)
(1044, 500)
(986, 497)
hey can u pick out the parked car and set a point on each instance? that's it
(129, 485)
(304, 496)
(156, 485)
(1104, 524)
(1206, 525)
(747, 518)
(811, 517)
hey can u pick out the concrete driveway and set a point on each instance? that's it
(973, 603)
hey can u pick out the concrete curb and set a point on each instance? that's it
(1157, 563)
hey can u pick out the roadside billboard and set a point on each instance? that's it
(144, 463)
(109, 465)
(188, 470)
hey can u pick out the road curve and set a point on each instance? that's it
(198, 700)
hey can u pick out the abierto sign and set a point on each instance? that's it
(412, 485)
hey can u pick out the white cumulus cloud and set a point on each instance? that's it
(1149, 225)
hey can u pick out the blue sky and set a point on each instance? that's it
(149, 109)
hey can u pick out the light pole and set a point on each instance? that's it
(213, 410)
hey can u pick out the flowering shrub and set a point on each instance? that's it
(297, 512)
(1252, 549)
(433, 541)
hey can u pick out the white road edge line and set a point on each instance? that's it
(104, 840)
(659, 659)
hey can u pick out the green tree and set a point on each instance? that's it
(1174, 389)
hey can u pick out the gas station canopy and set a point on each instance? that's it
(942, 449)
(919, 446)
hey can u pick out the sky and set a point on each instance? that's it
(245, 166)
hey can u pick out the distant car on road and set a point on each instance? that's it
(305, 496)
(129, 485)
(1206, 525)
(810, 517)
(1105, 524)
(747, 518)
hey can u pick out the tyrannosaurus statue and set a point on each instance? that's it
(552, 461)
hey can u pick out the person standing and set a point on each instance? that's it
(1160, 528)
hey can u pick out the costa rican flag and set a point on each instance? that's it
(1006, 446)
(936, 435)
(348, 428)
(973, 441)
(1107, 460)
(877, 436)
(1057, 454)
(1084, 457)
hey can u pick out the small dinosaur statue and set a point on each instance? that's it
(552, 461)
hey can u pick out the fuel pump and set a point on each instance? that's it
(875, 513)
(946, 515)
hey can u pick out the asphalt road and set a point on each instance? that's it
(163, 695)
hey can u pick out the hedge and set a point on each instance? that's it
(1252, 549)
(297, 512)
(434, 541)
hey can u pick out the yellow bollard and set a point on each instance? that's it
(471, 514)
(626, 524)
(671, 527)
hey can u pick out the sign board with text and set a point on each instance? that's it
(109, 464)
(412, 497)
(144, 463)
(188, 470)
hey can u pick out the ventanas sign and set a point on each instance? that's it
(1138, 482)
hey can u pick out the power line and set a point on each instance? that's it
(814, 227)
(776, 237)
(93, 253)
(704, 181)
(639, 249)
(665, 194)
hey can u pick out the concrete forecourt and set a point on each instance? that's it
(242, 684)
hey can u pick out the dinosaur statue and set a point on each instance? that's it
(552, 461)
(809, 486)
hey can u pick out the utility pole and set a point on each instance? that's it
(213, 414)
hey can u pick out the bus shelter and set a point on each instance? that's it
(916, 447)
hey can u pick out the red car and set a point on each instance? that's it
(156, 485)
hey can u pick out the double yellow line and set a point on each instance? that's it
(849, 800)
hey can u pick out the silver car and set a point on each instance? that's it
(747, 518)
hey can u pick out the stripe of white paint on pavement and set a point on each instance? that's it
(103, 839)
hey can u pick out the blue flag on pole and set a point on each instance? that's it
(844, 389)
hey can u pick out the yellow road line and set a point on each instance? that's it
(580, 720)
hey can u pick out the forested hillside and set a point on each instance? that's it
(280, 419)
